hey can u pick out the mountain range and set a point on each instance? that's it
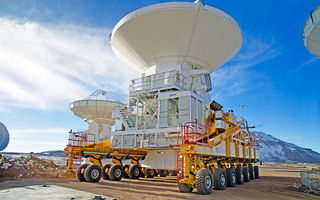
(275, 150)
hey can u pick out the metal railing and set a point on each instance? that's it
(80, 139)
(193, 133)
(311, 179)
(250, 138)
(159, 80)
(189, 133)
(77, 142)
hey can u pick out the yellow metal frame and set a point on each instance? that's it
(195, 156)
(96, 151)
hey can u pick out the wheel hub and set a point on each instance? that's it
(207, 182)
(95, 174)
(233, 178)
(223, 179)
(118, 173)
(136, 172)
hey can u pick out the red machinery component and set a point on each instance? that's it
(78, 141)
(81, 139)
(190, 133)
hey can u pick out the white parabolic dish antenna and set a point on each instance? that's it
(4, 137)
(97, 107)
(311, 32)
(176, 31)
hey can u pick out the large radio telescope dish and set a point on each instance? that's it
(4, 137)
(176, 31)
(311, 32)
(97, 107)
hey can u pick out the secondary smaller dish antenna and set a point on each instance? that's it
(4, 137)
(97, 110)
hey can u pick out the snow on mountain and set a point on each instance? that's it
(274, 150)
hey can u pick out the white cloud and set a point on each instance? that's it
(46, 67)
(236, 77)
(18, 132)
(37, 140)
(312, 60)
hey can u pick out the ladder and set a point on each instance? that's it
(180, 157)
(77, 142)
(76, 160)
(124, 112)
(191, 133)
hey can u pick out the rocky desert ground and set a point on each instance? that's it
(277, 181)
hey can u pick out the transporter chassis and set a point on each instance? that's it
(199, 168)
(206, 157)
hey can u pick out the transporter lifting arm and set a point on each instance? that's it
(223, 136)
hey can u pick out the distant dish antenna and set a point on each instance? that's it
(97, 107)
(97, 111)
(311, 33)
(4, 137)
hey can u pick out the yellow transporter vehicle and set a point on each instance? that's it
(169, 122)
(95, 143)
(208, 158)
(80, 147)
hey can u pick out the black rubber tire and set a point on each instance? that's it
(105, 171)
(173, 173)
(240, 177)
(246, 174)
(80, 172)
(116, 172)
(204, 181)
(163, 173)
(149, 173)
(134, 172)
(126, 168)
(251, 170)
(219, 179)
(185, 188)
(93, 173)
(256, 171)
(231, 177)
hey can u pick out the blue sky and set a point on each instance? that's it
(54, 52)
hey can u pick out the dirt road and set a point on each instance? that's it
(273, 184)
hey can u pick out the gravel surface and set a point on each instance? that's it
(274, 183)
